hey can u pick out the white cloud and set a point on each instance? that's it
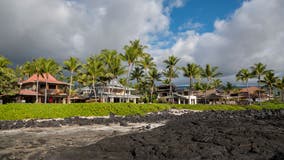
(61, 28)
(254, 33)
(190, 25)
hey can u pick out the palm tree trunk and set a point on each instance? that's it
(70, 87)
(127, 79)
(94, 88)
(151, 93)
(190, 87)
(248, 93)
(171, 91)
(259, 97)
(37, 89)
(282, 95)
(45, 90)
(269, 92)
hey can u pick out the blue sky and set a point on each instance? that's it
(203, 12)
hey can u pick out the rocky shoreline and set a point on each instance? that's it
(83, 121)
(247, 134)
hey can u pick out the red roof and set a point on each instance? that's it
(50, 79)
(28, 92)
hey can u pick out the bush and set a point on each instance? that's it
(41, 111)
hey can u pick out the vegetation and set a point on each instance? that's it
(134, 68)
(39, 111)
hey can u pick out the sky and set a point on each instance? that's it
(230, 34)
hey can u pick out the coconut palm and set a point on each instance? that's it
(72, 65)
(131, 55)
(171, 70)
(244, 75)
(36, 68)
(147, 63)
(49, 66)
(192, 71)
(93, 69)
(154, 75)
(269, 81)
(209, 73)
(137, 74)
(280, 85)
(216, 83)
(112, 64)
(228, 87)
(258, 70)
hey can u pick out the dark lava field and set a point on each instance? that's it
(228, 135)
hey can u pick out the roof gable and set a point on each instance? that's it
(42, 78)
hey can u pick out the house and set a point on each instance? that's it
(56, 90)
(110, 92)
(180, 95)
(255, 94)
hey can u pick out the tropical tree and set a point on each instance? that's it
(8, 78)
(112, 64)
(280, 85)
(131, 55)
(258, 70)
(72, 65)
(49, 66)
(93, 70)
(137, 74)
(244, 75)
(146, 62)
(36, 68)
(228, 87)
(269, 81)
(154, 75)
(216, 83)
(209, 73)
(192, 71)
(171, 70)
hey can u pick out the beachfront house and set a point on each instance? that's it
(180, 95)
(56, 90)
(112, 91)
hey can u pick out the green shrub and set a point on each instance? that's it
(17, 111)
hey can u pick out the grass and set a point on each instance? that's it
(18, 111)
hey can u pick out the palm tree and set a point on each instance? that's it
(36, 68)
(147, 63)
(258, 70)
(49, 66)
(112, 64)
(72, 65)
(171, 70)
(216, 83)
(131, 55)
(137, 74)
(270, 81)
(209, 73)
(154, 75)
(280, 85)
(93, 69)
(244, 75)
(192, 71)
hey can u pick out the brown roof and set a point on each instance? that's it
(251, 90)
(50, 79)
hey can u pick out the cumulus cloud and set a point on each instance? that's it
(62, 28)
(254, 33)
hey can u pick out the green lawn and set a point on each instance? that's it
(18, 111)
